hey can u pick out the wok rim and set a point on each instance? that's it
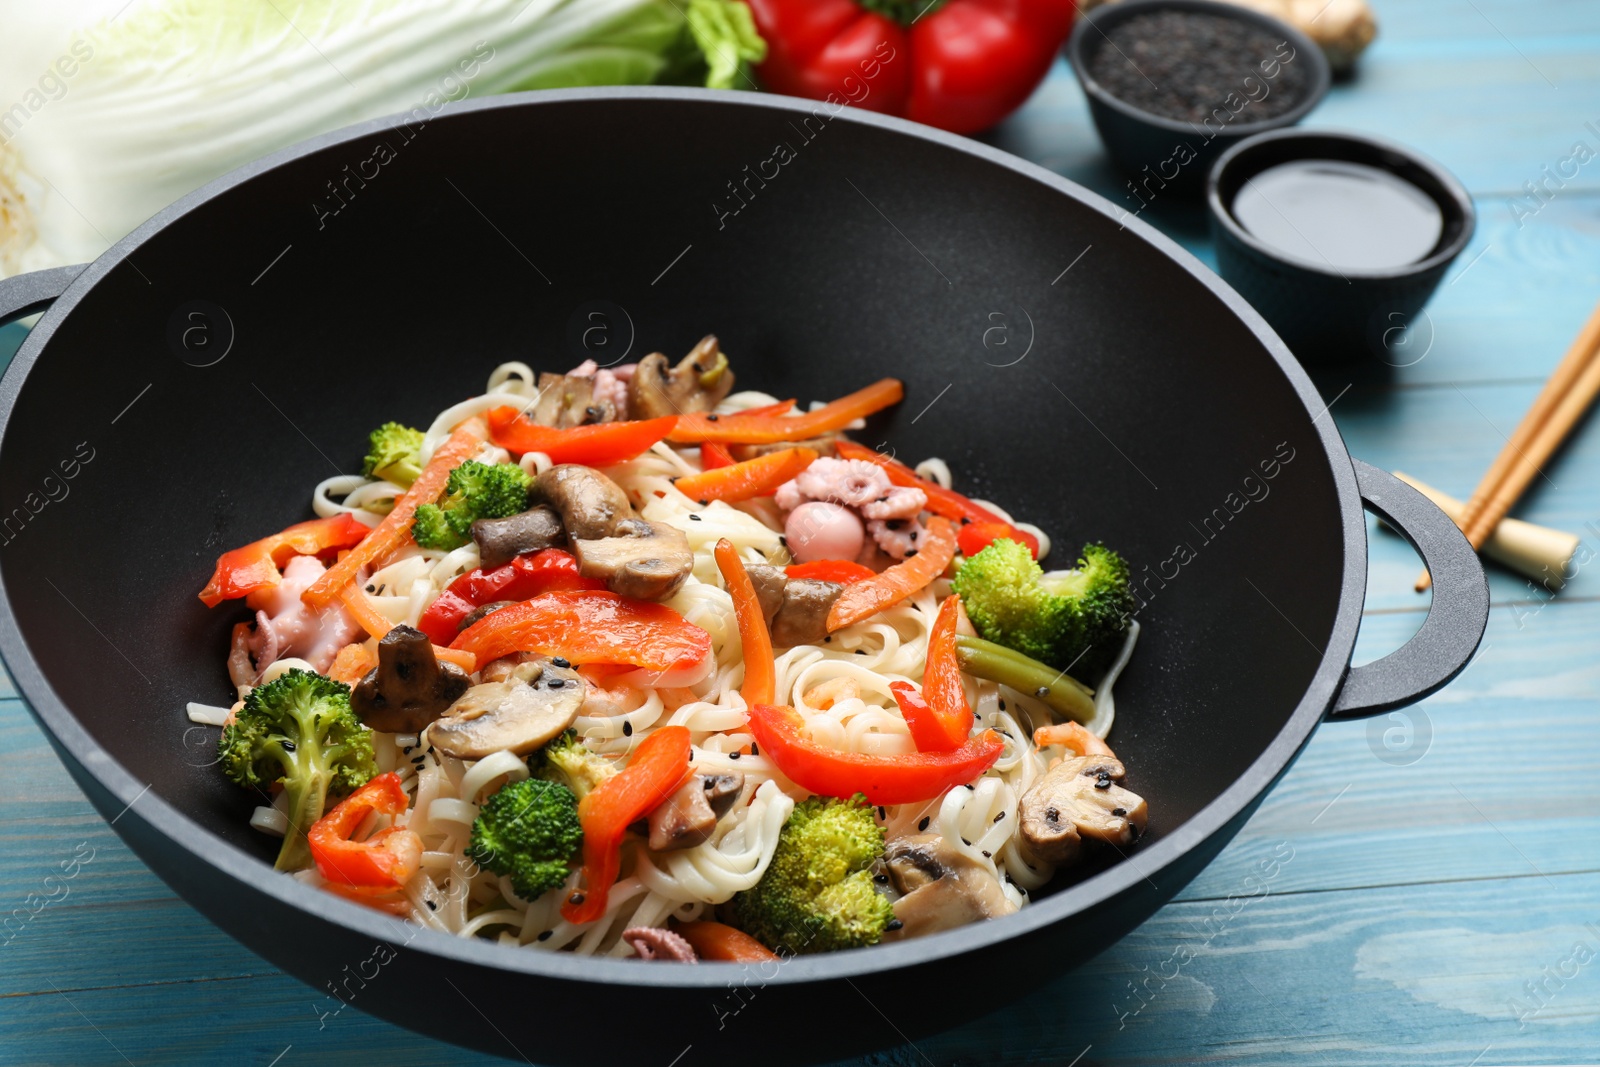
(200, 845)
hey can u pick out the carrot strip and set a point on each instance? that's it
(742, 429)
(351, 664)
(371, 620)
(869, 596)
(395, 530)
(719, 941)
(744, 481)
(366, 614)
(760, 675)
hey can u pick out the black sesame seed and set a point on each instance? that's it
(987, 854)
(627, 729)
(544, 936)
(895, 524)
(964, 841)
(431, 905)
(923, 825)
(893, 924)
(575, 899)
(288, 746)
(913, 537)
(1002, 815)
(372, 589)
(556, 683)
(711, 418)
(910, 553)
(972, 787)
(695, 518)
(881, 879)
(705, 503)
(418, 760)
(560, 662)
(1119, 812)
(827, 639)
(1002, 704)
(882, 814)
(754, 750)
(733, 755)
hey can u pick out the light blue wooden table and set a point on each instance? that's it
(1437, 899)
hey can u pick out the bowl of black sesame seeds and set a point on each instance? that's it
(1172, 84)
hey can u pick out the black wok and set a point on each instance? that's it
(201, 376)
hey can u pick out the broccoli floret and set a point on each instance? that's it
(528, 831)
(568, 762)
(394, 453)
(298, 729)
(475, 491)
(817, 893)
(1074, 622)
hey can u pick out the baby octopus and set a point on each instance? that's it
(854, 490)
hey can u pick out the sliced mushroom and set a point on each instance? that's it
(409, 688)
(803, 619)
(698, 383)
(533, 705)
(770, 583)
(498, 670)
(689, 816)
(1079, 797)
(590, 504)
(647, 561)
(938, 887)
(471, 617)
(796, 608)
(503, 540)
(567, 400)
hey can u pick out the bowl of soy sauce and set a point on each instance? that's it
(1337, 239)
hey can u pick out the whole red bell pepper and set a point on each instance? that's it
(961, 65)
(522, 579)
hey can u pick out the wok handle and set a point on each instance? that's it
(24, 294)
(1449, 636)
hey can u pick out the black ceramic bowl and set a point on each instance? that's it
(1165, 156)
(1329, 314)
(245, 340)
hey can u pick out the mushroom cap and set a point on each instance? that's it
(503, 540)
(530, 708)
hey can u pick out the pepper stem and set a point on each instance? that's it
(905, 12)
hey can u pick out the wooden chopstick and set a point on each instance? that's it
(1557, 409)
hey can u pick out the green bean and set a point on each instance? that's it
(1059, 690)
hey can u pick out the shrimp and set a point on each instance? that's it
(1073, 737)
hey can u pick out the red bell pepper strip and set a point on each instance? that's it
(259, 565)
(941, 501)
(760, 674)
(843, 571)
(961, 65)
(714, 456)
(523, 578)
(869, 596)
(395, 529)
(384, 862)
(939, 717)
(589, 626)
(780, 731)
(746, 481)
(974, 537)
(654, 771)
(599, 444)
(741, 429)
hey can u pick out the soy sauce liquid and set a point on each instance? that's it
(1347, 216)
